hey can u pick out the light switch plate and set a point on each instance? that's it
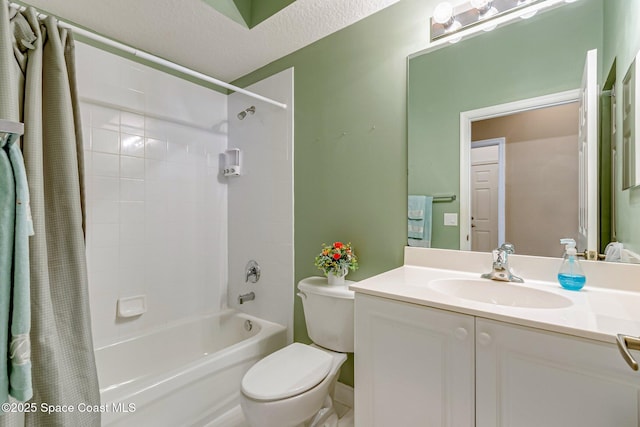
(451, 219)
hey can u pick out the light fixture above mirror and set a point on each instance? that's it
(453, 23)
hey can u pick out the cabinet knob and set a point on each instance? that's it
(461, 333)
(484, 338)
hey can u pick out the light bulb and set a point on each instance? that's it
(443, 13)
(483, 6)
(479, 4)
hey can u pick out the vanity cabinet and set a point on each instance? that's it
(530, 378)
(420, 366)
(414, 365)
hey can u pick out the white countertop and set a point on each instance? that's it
(596, 312)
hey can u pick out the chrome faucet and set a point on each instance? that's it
(246, 297)
(252, 272)
(501, 270)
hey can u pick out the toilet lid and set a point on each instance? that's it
(287, 372)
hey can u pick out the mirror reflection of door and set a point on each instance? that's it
(487, 194)
(541, 178)
(588, 157)
(610, 202)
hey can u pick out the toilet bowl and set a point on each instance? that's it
(271, 402)
(294, 386)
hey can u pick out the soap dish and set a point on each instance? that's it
(132, 306)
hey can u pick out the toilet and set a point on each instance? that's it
(294, 386)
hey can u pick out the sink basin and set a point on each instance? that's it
(499, 293)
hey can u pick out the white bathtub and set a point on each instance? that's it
(187, 374)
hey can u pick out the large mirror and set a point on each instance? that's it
(539, 190)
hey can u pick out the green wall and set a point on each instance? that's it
(534, 57)
(262, 10)
(248, 13)
(350, 142)
(621, 44)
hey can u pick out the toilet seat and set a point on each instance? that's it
(286, 373)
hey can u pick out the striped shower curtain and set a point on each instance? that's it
(37, 87)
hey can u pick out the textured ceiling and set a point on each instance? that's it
(193, 34)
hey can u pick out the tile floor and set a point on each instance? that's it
(345, 414)
(235, 418)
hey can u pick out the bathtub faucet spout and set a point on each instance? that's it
(246, 297)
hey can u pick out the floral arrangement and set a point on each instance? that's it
(337, 259)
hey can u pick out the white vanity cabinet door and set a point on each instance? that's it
(531, 378)
(414, 366)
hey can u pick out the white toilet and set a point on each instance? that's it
(294, 386)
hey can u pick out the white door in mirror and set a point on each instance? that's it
(588, 156)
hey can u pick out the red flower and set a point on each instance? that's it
(336, 256)
(337, 245)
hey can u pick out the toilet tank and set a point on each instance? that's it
(328, 312)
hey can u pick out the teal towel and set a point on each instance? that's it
(415, 215)
(420, 217)
(416, 207)
(20, 345)
(7, 227)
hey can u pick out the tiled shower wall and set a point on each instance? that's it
(261, 201)
(156, 207)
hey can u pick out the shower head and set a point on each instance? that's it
(243, 114)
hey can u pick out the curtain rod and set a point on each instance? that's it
(154, 59)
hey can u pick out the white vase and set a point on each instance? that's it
(333, 279)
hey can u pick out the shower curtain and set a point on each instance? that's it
(37, 87)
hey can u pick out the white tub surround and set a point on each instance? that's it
(606, 306)
(186, 374)
(261, 201)
(156, 208)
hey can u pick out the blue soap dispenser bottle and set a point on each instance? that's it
(571, 276)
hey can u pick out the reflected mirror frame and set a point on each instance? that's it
(630, 119)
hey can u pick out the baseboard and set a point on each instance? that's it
(344, 394)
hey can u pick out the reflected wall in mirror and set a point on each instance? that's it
(532, 58)
(512, 194)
